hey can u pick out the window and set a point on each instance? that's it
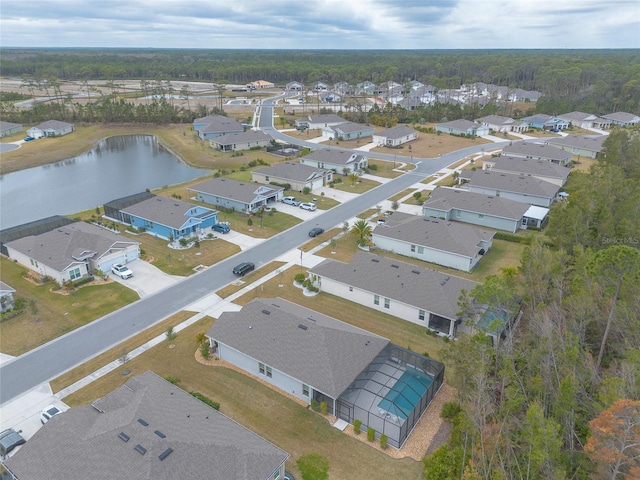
(481, 215)
(413, 248)
(421, 314)
(261, 368)
(266, 178)
(305, 390)
(351, 289)
(75, 273)
(420, 250)
(276, 475)
(269, 373)
(387, 303)
(376, 299)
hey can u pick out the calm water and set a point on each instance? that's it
(114, 168)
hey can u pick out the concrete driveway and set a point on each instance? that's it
(146, 279)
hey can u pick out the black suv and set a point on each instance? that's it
(243, 268)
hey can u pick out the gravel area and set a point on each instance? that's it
(429, 433)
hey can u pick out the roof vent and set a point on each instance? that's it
(165, 454)
(312, 319)
(140, 449)
(375, 260)
(393, 265)
(143, 422)
(417, 272)
(302, 327)
(266, 312)
(160, 434)
(123, 436)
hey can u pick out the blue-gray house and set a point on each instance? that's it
(170, 218)
(545, 122)
(213, 126)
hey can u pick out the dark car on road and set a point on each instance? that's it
(243, 268)
(314, 232)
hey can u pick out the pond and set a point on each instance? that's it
(115, 167)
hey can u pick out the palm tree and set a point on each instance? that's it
(362, 229)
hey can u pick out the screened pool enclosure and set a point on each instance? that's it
(391, 394)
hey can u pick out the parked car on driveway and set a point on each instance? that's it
(48, 412)
(28, 139)
(308, 206)
(243, 268)
(122, 271)
(291, 201)
(221, 227)
(314, 232)
(10, 439)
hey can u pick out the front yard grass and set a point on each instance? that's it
(402, 194)
(294, 428)
(361, 186)
(50, 315)
(386, 169)
(248, 279)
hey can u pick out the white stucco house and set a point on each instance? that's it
(72, 252)
(51, 128)
(335, 159)
(450, 244)
(297, 175)
(395, 136)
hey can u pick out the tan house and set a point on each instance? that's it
(259, 85)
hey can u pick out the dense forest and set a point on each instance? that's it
(559, 397)
(597, 81)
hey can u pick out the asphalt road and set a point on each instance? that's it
(56, 357)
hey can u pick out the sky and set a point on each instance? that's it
(322, 24)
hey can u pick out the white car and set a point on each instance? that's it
(49, 412)
(122, 271)
(308, 206)
(291, 201)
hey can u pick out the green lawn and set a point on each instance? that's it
(361, 186)
(263, 226)
(385, 169)
(49, 314)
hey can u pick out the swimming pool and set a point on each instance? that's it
(405, 393)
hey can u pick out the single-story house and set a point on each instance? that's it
(260, 85)
(581, 145)
(622, 119)
(213, 126)
(7, 128)
(463, 127)
(320, 121)
(419, 295)
(73, 251)
(498, 123)
(169, 218)
(242, 197)
(395, 136)
(347, 131)
(51, 128)
(295, 86)
(450, 244)
(541, 169)
(336, 159)
(357, 374)
(320, 86)
(6, 297)
(585, 120)
(146, 429)
(529, 190)
(232, 142)
(297, 175)
(520, 95)
(475, 208)
(545, 122)
(538, 151)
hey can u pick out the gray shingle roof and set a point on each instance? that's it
(73, 243)
(536, 150)
(442, 235)
(498, 120)
(218, 124)
(459, 124)
(396, 132)
(334, 156)
(8, 125)
(416, 286)
(244, 137)
(328, 355)
(528, 166)
(508, 182)
(54, 125)
(325, 118)
(292, 171)
(593, 143)
(621, 117)
(163, 210)
(445, 199)
(234, 190)
(350, 127)
(83, 442)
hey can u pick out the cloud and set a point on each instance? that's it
(323, 24)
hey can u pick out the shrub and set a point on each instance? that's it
(204, 350)
(383, 441)
(324, 407)
(173, 380)
(373, 167)
(315, 406)
(356, 426)
(299, 278)
(183, 242)
(206, 400)
(371, 434)
(249, 222)
(306, 190)
(450, 410)
(170, 334)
